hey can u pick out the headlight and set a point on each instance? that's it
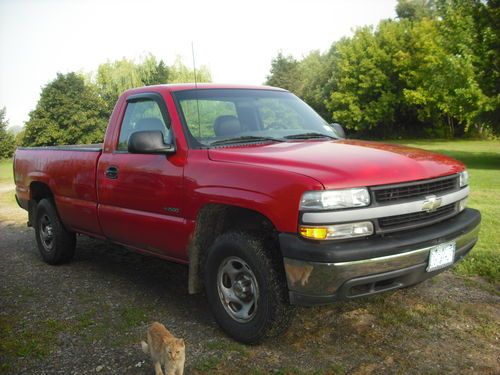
(334, 199)
(337, 231)
(464, 178)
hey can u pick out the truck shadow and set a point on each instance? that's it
(156, 284)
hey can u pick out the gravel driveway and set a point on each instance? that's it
(89, 316)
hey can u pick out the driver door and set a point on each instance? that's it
(140, 195)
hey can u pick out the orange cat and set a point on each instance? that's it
(165, 350)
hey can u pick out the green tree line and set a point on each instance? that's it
(432, 72)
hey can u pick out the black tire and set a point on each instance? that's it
(56, 244)
(271, 313)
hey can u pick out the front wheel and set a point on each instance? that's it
(56, 244)
(246, 291)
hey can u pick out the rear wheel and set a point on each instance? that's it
(246, 291)
(56, 244)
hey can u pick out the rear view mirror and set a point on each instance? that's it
(149, 142)
(338, 129)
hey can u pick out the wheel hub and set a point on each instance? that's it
(242, 287)
(238, 289)
(46, 233)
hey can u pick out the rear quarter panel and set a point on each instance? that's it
(71, 177)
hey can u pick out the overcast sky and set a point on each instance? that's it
(235, 39)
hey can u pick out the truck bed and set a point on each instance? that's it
(70, 173)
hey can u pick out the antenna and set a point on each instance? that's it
(194, 66)
(196, 88)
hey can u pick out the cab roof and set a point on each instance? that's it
(200, 86)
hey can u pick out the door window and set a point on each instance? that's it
(140, 116)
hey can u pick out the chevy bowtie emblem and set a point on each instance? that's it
(431, 203)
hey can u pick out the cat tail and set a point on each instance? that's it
(145, 347)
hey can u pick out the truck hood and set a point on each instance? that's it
(346, 163)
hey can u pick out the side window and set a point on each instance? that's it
(202, 127)
(140, 116)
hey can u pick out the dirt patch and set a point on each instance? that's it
(89, 316)
(10, 212)
(5, 188)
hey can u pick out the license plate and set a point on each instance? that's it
(441, 256)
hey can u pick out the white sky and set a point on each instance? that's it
(235, 39)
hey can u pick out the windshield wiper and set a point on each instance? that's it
(245, 139)
(309, 136)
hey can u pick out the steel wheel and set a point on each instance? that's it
(55, 243)
(46, 233)
(238, 289)
(247, 293)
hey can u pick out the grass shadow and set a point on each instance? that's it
(474, 160)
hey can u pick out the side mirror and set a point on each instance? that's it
(148, 142)
(338, 129)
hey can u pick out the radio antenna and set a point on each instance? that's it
(196, 88)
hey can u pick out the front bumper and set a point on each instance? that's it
(322, 272)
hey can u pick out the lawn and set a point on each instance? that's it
(6, 172)
(483, 161)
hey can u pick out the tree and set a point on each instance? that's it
(366, 83)
(180, 73)
(19, 137)
(415, 9)
(69, 111)
(113, 78)
(434, 71)
(285, 73)
(446, 82)
(305, 78)
(7, 142)
(470, 33)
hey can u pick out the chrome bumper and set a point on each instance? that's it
(332, 281)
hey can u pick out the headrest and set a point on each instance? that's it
(226, 125)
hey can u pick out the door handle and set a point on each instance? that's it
(112, 173)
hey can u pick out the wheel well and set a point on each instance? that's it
(215, 219)
(38, 191)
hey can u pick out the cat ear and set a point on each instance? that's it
(182, 342)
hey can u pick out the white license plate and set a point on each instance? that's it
(441, 256)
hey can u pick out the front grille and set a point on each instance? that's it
(407, 191)
(415, 219)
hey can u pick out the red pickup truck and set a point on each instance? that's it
(267, 204)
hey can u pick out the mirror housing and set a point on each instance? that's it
(338, 129)
(149, 142)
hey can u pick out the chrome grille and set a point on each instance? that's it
(406, 191)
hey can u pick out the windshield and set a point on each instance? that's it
(229, 116)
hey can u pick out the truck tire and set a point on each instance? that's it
(246, 292)
(56, 244)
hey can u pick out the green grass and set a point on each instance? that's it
(132, 317)
(483, 162)
(19, 339)
(6, 176)
(209, 364)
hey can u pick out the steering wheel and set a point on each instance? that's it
(276, 125)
